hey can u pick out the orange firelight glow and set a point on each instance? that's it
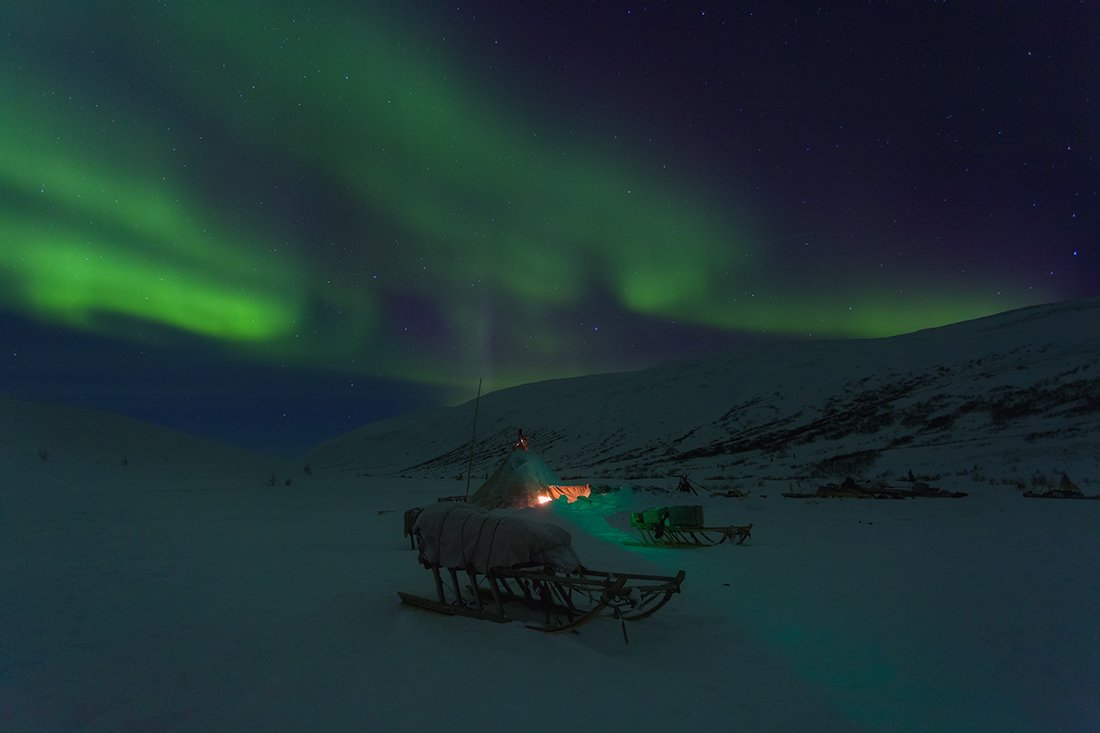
(571, 493)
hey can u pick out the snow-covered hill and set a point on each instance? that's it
(45, 444)
(1013, 397)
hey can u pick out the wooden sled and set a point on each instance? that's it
(682, 526)
(547, 600)
(516, 568)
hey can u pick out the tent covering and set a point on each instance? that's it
(523, 479)
(458, 535)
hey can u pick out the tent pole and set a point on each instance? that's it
(470, 467)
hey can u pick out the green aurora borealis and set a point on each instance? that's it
(358, 191)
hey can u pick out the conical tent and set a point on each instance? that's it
(523, 480)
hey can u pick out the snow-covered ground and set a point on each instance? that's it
(197, 598)
(152, 581)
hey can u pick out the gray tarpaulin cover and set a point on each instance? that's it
(455, 535)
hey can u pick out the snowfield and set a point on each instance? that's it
(208, 600)
(151, 581)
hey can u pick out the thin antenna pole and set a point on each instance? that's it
(473, 435)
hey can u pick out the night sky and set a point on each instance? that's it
(271, 222)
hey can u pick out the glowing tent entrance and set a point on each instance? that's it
(524, 480)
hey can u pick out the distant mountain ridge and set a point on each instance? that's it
(1019, 391)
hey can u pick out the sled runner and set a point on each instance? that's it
(682, 526)
(513, 568)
